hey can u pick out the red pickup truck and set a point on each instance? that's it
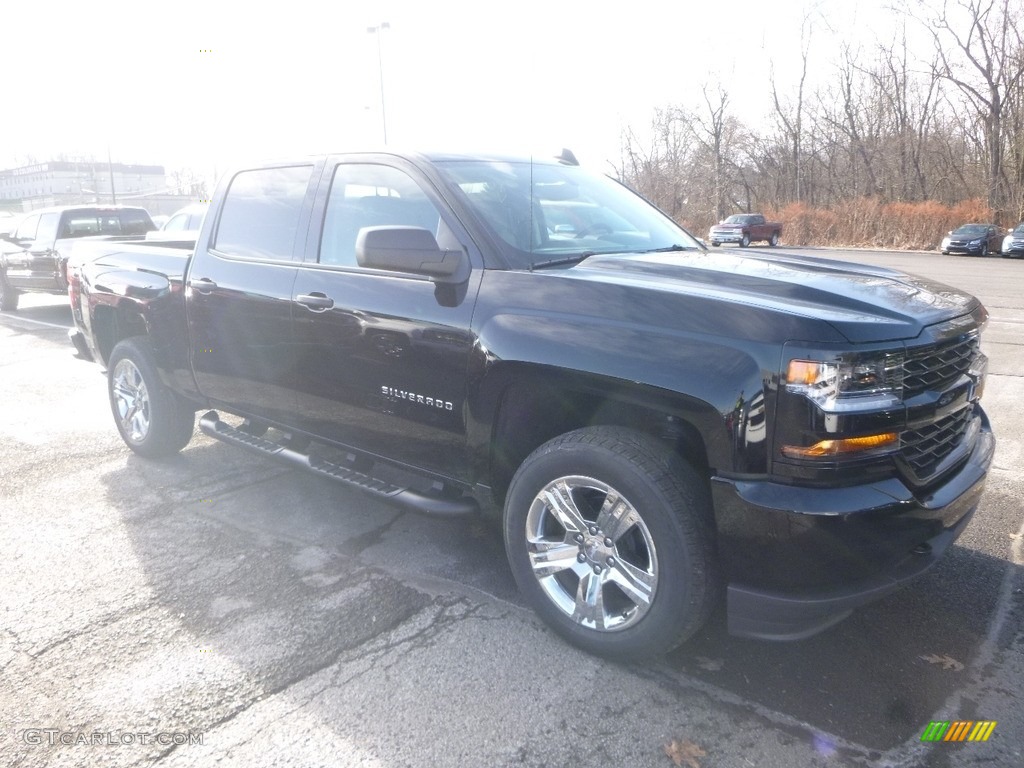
(745, 228)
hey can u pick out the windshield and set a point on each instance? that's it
(971, 229)
(545, 213)
(739, 219)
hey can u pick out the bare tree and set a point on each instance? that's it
(660, 168)
(911, 103)
(186, 181)
(711, 136)
(791, 116)
(979, 44)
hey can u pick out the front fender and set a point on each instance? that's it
(722, 390)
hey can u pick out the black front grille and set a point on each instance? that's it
(939, 365)
(925, 448)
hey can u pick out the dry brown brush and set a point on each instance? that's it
(869, 223)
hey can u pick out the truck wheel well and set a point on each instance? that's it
(111, 325)
(529, 416)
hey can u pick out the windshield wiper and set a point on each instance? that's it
(574, 259)
(673, 247)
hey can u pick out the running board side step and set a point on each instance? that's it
(408, 498)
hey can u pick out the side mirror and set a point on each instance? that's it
(410, 249)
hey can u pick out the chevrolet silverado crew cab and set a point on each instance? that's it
(34, 257)
(664, 429)
(744, 229)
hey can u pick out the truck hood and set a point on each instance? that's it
(862, 303)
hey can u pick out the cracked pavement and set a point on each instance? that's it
(290, 622)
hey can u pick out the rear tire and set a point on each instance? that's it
(610, 539)
(152, 420)
(8, 296)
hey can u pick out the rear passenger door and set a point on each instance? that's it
(239, 292)
(383, 356)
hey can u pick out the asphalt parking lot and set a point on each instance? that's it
(220, 609)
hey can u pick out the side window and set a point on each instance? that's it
(260, 215)
(371, 196)
(27, 228)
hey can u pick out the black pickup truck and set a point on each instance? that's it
(34, 257)
(666, 429)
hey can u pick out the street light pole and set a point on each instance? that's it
(380, 71)
(110, 168)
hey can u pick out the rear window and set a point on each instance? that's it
(98, 221)
(260, 215)
(136, 222)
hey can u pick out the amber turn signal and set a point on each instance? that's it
(806, 372)
(845, 445)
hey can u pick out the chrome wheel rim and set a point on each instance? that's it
(131, 400)
(591, 553)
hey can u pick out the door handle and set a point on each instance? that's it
(315, 301)
(203, 285)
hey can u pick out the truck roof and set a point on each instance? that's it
(86, 207)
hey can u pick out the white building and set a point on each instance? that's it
(63, 182)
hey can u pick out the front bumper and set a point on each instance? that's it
(725, 237)
(799, 560)
(969, 250)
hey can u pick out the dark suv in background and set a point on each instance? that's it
(34, 257)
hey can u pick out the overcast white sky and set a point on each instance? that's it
(300, 77)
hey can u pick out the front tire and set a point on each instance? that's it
(745, 241)
(774, 240)
(610, 539)
(8, 296)
(152, 420)
(984, 249)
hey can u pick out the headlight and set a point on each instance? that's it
(854, 383)
(975, 242)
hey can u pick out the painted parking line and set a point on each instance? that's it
(36, 322)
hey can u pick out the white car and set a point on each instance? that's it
(183, 225)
